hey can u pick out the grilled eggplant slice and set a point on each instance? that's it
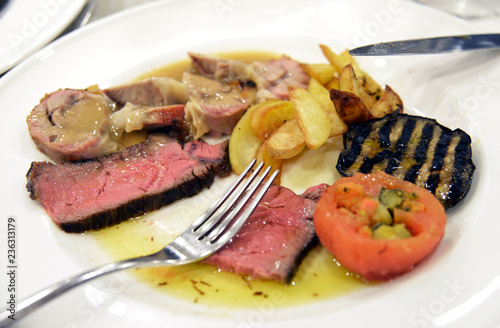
(412, 148)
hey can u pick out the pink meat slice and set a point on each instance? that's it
(155, 91)
(276, 237)
(277, 75)
(215, 107)
(104, 191)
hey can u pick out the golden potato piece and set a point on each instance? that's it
(335, 60)
(269, 115)
(390, 102)
(333, 84)
(321, 93)
(350, 108)
(287, 141)
(349, 82)
(275, 163)
(337, 126)
(323, 73)
(243, 143)
(347, 59)
(311, 117)
(370, 86)
(339, 61)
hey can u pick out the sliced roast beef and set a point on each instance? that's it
(314, 193)
(276, 237)
(104, 191)
(155, 91)
(214, 106)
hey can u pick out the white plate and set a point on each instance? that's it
(457, 287)
(28, 25)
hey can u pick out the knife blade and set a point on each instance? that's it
(436, 45)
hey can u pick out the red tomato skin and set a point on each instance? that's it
(339, 230)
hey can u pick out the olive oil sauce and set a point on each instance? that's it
(319, 276)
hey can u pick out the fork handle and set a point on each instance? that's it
(35, 301)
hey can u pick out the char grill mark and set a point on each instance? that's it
(350, 157)
(420, 151)
(383, 135)
(400, 149)
(412, 148)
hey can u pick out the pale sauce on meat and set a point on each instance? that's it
(86, 118)
(319, 276)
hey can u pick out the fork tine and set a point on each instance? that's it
(222, 234)
(218, 203)
(224, 208)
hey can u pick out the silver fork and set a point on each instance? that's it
(214, 228)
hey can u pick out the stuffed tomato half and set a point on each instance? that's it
(379, 226)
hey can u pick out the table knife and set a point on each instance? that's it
(437, 45)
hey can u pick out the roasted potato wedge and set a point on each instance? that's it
(337, 126)
(335, 60)
(339, 61)
(275, 163)
(311, 117)
(243, 143)
(321, 93)
(349, 82)
(350, 108)
(370, 86)
(287, 141)
(333, 84)
(269, 115)
(323, 73)
(390, 102)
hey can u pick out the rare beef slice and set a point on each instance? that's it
(275, 238)
(101, 192)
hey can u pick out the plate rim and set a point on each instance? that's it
(54, 47)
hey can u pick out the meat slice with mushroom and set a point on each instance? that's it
(214, 106)
(72, 124)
